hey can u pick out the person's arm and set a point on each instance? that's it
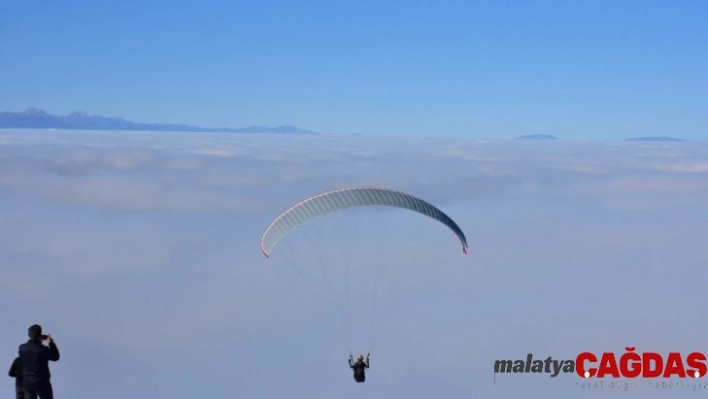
(367, 360)
(53, 350)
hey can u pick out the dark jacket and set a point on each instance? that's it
(358, 367)
(16, 372)
(35, 359)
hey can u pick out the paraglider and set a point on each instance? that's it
(338, 201)
(359, 367)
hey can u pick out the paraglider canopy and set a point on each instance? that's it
(335, 200)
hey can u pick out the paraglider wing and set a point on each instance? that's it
(344, 198)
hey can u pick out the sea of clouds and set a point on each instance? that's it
(139, 253)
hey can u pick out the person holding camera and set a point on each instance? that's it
(35, 358)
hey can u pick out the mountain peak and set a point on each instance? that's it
(34, 112)
(537, 137)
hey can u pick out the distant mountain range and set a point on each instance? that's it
(655, 138)
(647, 138)
(537, 137)
(37, 119)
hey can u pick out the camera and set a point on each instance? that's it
(44, 337)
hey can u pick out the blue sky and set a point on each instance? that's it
(139, 253)
(482, 69)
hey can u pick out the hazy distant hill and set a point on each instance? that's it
(655, 138)
(537, 137)
(37, 119)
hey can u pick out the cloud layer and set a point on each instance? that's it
(139, 253)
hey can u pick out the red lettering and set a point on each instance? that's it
(630, 364)
(696, 361)
(674, 365)
(647, 371)
(647, 365)
(608, 365)
(580, 364)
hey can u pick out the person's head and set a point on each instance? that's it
(360, 357)
(35, 332)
